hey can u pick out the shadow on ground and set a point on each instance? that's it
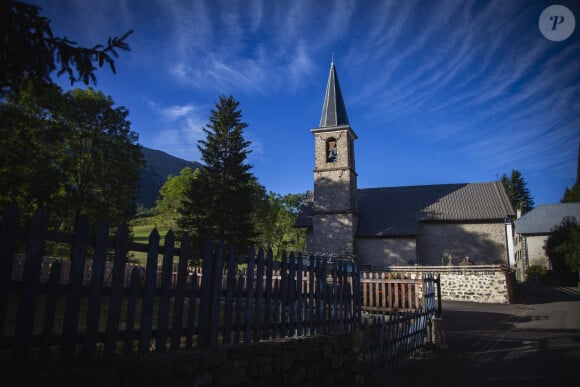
(497, 345)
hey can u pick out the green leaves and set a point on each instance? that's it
(28, 50)
(563, 245)
(70, 153)
(517, 191)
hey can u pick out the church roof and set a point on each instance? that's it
(333, 109)
(397, 211)
(542, 219)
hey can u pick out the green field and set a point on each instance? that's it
(141, 228)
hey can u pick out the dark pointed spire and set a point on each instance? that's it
(333, 110)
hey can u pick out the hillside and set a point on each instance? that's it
(159, 165)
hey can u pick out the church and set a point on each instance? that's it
(378, 227)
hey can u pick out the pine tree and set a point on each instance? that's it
(517, 191)
(219, 202)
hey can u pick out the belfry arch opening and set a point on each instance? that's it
(331, 150)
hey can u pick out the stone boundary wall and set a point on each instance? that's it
(331, 360)
(475, 283)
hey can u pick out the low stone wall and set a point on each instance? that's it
(476, 283)
(311, 361)
(485, 286)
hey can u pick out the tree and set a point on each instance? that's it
(172, 194)
(71, 153)
(104, 158)
(563, 245)
(219, 203)
(571, 195)
(32, 149)
(276, 224)
(517, 191)
(28, 50)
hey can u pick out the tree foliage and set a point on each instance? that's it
(517, 191)
(571, 195)
(220, 201)
(275, 224)
(71, 153)
(29, 50)
(563, 245)
(172, 194)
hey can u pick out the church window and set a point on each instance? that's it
(331, 151)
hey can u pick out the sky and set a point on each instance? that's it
(455, 91)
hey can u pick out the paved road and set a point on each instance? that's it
(535, 342)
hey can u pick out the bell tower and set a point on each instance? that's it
(334, 216)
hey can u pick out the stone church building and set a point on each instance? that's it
(425, 225)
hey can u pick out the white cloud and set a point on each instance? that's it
(181, 129)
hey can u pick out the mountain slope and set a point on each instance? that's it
(159, 165)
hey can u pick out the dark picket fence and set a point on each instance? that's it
(236, 300)
(393, 336)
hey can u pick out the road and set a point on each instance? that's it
(535, 342)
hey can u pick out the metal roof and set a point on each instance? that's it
(333, 109)
(397, 211)
(542, 219)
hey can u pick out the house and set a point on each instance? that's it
(426, 225)
(533, 229)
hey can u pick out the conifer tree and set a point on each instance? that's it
(219, 202)
(517, 191)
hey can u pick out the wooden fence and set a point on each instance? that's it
(387, 292)
(89, 317)
(394, 335)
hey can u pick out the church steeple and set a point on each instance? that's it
(333, 110)
(334, 206)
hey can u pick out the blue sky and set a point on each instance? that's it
(437, 91)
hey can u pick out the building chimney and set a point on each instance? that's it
(518, 213)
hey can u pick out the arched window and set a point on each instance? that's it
(331, 152)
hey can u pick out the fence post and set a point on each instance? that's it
(95, 295)
(119, 263)
(8, 240)
(48, 323)
(216, 277)
(259, 288)
(30, 284)
(249, 296)
(149, 294)
(166, 273)
(180, 288)
(439, 306)
(230, 287)
(268, 297)
(205, 297)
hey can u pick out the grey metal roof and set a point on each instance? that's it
(397, 211)
(333, 109)
(542, 219)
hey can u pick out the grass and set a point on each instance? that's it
(141, 227)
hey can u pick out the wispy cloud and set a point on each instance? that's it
(182, 128)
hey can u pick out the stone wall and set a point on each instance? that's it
(483, 243)
(475, 283)
(311, 361)
(535, 250)
(332, 233)
(379, 252)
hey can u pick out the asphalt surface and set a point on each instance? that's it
(534, 342)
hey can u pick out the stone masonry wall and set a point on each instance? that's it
(484, 283)
(476, 286)
(483, 243)
(312, 361)
(381, 252)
